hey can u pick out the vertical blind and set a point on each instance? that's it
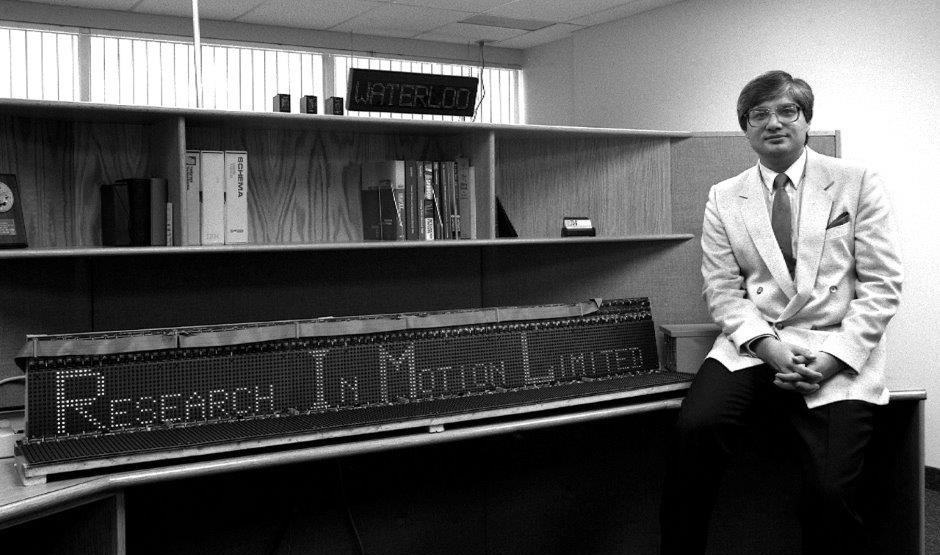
(162, 73)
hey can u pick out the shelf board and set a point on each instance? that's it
(95, 252)
(96, 112)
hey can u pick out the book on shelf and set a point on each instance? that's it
(236, 197)
(187, 216)
(383, 201)
(134, 212)
(452, 208)
(414, 199)
(168, 218)
(417, 200)
(212, 197)
(158, 204)
(352, 193)
(430, 215)
(466, 203)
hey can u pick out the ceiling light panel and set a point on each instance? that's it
(622, 11)
(507, 22)
(460, 5)
(220, 10)
(559, 11)
(463, 33)
(558, 31)
(400, 20)
(94, 4)
(320, 14)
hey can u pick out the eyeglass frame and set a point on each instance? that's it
(774, 111)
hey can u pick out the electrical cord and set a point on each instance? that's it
(5, 381)
(482, 83)
(349, 515)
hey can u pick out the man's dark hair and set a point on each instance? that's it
(769, 86)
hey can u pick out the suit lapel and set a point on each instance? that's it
(752, 207)
(814, 213)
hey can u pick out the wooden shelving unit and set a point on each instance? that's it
(643, 189)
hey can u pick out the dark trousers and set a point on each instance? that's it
(831, 439)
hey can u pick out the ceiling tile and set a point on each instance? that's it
(319, 14)
(220, 10)
(553, 10)
(622, 11)
(399, 20)
(542, 36)
(464, 33)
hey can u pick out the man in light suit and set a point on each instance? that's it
(801, 273)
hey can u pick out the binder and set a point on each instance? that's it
(212, 196)
(466, 202)
(187, 216)
(236, 197)
(158, 220)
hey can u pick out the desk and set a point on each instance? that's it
(581, 481)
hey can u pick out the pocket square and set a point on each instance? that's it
(843, 218)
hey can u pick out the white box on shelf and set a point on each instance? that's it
(188, 205)
(685, 345)
(212, 181)
(236, 197)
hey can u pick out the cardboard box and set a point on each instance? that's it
(685, 345)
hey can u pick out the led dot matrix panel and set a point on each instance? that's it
(113, 399)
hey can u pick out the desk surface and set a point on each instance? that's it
(18, 501)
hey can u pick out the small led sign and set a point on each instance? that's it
(411, 93)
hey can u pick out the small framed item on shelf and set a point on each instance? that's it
(308, 104)
(577, 226)
(333, 106)
(12, 230)
(281, 103)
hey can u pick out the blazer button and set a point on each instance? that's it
(833, 289)
(760, 290)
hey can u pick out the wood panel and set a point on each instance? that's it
(586, 488)
(40, 154)
(622, 184)
(87, 529)
(703, 160)
(666, 273)
(104, 153)
(698, 163)
(297, 192)
(61, 165)
(39, 296)
(136, 292)
(167, 148)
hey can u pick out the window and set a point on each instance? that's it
(38, 64)
(66, 64)
(161, 72)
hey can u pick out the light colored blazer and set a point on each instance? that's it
(848, 277)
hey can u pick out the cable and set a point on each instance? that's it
(482, 83)
(349, 515)
(5, 381)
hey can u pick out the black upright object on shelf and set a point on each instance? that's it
(12, 230)
(504, 227)
(125, 213)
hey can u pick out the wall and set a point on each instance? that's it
(875, 69)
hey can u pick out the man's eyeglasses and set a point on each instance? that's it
(758, 117)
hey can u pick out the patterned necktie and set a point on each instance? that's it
(781, 220)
